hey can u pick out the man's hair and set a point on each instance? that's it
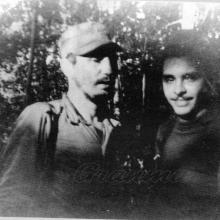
(200, 51)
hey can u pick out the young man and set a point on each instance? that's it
(56, 147)
(188, 144)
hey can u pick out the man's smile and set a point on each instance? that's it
(181, 101)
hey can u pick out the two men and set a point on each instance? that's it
(55, 144)
(52, 140)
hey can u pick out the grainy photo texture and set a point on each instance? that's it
(110, 109)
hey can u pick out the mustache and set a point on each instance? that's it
(104, 80)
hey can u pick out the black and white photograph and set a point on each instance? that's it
(110, 109)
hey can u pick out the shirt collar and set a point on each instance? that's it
(76, 118)
(71, 111)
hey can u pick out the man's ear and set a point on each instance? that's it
(71, 58)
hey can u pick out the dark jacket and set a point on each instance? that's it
(192, 150)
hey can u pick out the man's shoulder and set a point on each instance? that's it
(41, 107)
(165, 128)
(213, 120)
(167, 123)
(37, 107)
(36, 111)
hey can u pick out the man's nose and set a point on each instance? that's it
(179, 88)
(105, 66)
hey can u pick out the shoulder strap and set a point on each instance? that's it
(53, 115)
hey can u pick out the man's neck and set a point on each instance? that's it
(85, 106)
(194, 117)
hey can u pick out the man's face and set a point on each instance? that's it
(182, 85)
(94, 74)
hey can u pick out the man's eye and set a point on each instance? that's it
(168, 79)
(191, 76)
(97, 59)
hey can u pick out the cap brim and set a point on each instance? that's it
(110, 46)
(107, 48)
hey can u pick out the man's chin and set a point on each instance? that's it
(182, 112)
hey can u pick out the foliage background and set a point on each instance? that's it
(140, 27)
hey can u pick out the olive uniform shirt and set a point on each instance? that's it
(49, 162)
